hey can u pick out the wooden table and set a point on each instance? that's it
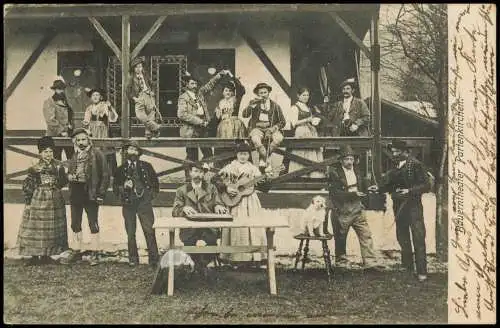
(269, 224)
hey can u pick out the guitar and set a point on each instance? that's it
(245, 187)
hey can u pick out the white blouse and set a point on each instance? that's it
(100, 109)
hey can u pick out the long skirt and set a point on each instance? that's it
(43, 230)
(231, 127)
(98, 129)
(249, 208)
(315, 155)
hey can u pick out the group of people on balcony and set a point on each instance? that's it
(266, 120)
(349, 117)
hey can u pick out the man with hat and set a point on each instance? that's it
(142, 97)
(193, 112)
(88, 182)
(346, 188)
(59, 117)
(198, 196)
(136, 184)
(266, 122)
(406, 182)
(349, 116)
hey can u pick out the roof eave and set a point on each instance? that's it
(23, 11)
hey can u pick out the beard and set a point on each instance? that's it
(196, 179)
(59, 97)
(133, 157)
(397, 159)
(82, 146)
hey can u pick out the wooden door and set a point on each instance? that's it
(78, 69)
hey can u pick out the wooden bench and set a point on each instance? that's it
(171, 223)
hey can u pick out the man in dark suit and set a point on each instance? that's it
(406, 182)
(350, 116)
(198, 196)
(136, 183)
(346, 188)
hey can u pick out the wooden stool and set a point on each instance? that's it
(324, 243)
(326, 251)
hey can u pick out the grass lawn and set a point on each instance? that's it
(115, 293)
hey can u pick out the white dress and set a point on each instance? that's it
(301, 111)
(249, 208)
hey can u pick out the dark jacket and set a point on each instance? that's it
(276, 117)
(359, 114)
(97, 173)
(337, 186)
(412, 176)
(147, 175)
(184, 196)
(33, 180)
(58, 117)
(134, 86)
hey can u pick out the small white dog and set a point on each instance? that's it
(314, 217)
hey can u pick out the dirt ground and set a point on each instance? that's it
(113, 293)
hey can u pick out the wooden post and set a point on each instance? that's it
(375, 98)
(271, 270)
(171, 246)
(125, 59)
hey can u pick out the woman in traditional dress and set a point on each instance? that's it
(98, 115)
(230, 126)
(96, 120)
(226, 115)
(247, 209)
(43, 230)
(303, 121)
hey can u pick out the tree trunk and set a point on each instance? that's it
(442, 208)
(441, 232)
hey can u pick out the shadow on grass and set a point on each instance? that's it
(115, 293)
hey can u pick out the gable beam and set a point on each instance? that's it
(350, 33)
(264, 58)
(47, 38)
(157, 24)
(105, 36)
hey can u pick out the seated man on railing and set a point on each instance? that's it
(266, 122)
(198, 196)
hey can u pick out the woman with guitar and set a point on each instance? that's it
(236, 183)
